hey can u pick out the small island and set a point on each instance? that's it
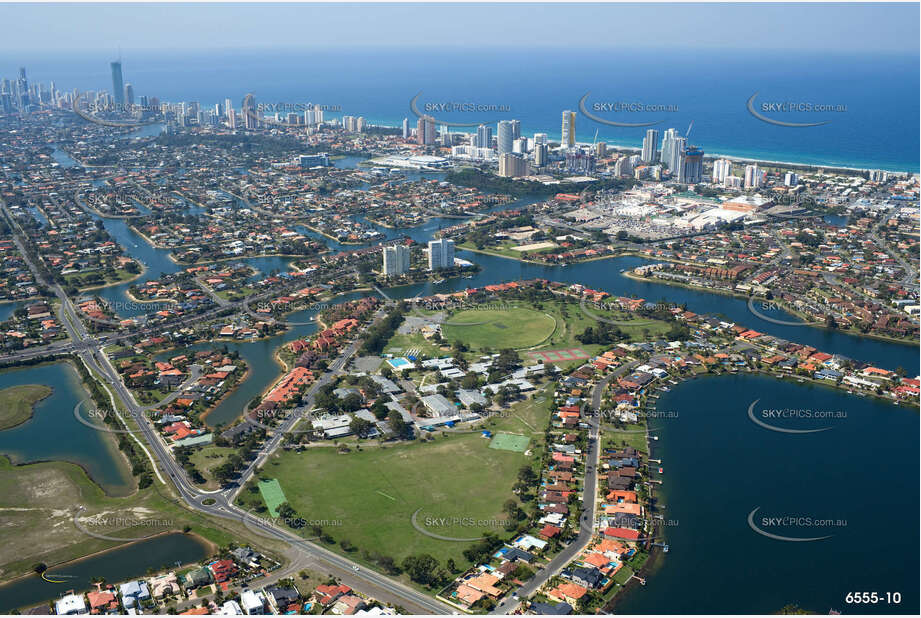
(18, 402)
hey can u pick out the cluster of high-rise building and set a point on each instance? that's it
(396, 258)
(21, 96)
(353, 124)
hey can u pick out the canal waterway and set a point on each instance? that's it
(719, 466)
(118, 565)
(53, 434)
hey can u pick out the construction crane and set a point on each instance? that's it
(688, 133)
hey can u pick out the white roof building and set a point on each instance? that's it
(70, 605)
(231, 608)
(252, 602)
(439, 405)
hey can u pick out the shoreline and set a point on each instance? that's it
(227, 394)
(630, 275)
(816, 165)
(32, 407)
(209, 547)
(114, 283)
(108, 439)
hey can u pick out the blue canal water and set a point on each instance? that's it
(54, 434)
(718, 466)
(118, 565)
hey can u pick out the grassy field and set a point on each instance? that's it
(209, 457)
(515, 327)
(415, 341)
(631, 435)
(368, 497)
(18, 402)
(38, 502)
(505, 248)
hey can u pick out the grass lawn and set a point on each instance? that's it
(273, 495)
(368, 497)
(415, 341)
(515, 327)
(209, 457)
(630, 435)
(509, 442)
(18, 402)
(623, 574)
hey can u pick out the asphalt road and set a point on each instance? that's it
(589, 499)
(219, 504)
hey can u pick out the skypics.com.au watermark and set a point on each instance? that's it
(773, 419)
(467, 107)
(107, 420)
(97, 526)
(118, 306)
(287, 108)
(794, 528)
(759, 309)
(280, 309)
(625, 107)
(633, 107)
(428, 109)
(465, 522)
(762, 109)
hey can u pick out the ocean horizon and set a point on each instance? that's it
(873, 122)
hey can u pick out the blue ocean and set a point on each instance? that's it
(872, 122)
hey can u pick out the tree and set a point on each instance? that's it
(399, 426)
(422, 569)
(527, 475)
(351, 402)
(360, 427)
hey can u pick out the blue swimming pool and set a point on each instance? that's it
(400, 363)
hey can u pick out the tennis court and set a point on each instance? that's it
(560, 356)
(510, 442)
(272, 495)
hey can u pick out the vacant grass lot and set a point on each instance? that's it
(17, 403)
(38, 502)
(630, 435)
(368, 497)
(496, 329)
(209, 457)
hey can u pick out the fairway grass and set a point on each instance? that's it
(368, 497)
(496, 329)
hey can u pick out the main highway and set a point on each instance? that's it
(218, 504)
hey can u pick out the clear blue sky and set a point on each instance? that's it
(870, 27)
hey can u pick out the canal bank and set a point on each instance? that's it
(719, 466)
(53, 434)
(122, 563)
